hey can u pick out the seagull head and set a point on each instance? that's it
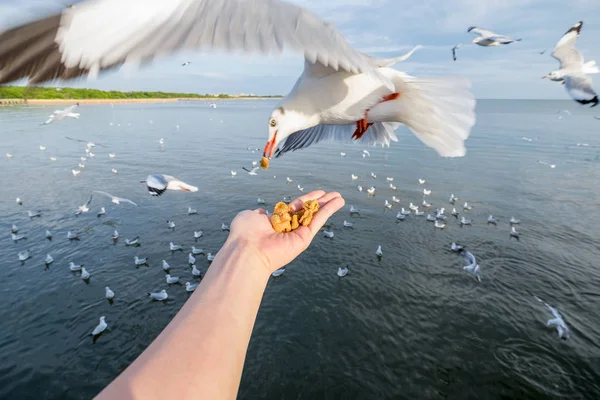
(282, 123)
(476, 40)
(554, 76)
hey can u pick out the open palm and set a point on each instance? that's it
(278, 249)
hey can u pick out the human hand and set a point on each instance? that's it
(253, 230)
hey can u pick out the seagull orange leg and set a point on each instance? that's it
(363, 125)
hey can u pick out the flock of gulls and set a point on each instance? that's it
(342, 94)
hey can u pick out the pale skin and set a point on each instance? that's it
(201, 353)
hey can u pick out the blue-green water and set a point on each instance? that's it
(412, 325)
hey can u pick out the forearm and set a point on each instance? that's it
(204, 346)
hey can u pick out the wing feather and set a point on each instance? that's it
(100, 34)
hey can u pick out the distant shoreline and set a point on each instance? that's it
(116, 101)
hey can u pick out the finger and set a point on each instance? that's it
(334, 204)
(328, 197)
(261, 211)
(297, 204)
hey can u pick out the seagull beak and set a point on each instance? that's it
(544, 77)
(270, 147)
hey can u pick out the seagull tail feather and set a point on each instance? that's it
(188, 188)
(590, 67)
(439, 111)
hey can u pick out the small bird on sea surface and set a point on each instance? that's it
(133, 242)
(189, 287)
(140, 261)
(342, 271)
(159, 296)
(175, 247)
(109, 293)
(171, 224)
(456, 247)
(379, 252)
(101, 327)
(492, 220)
(171, 279)
(72, 236)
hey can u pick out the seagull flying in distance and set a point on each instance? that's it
(543, 51)
(87, 142)
(61, 114)
(454, 51)
(342, 93)
(185, 64)
(252, 171)
(115, 199)
(158, 183)
(488, 38)
(84, 207)
(573, 71)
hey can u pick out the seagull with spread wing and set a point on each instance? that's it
(115, 199)
(157, 184)
(573, 72)
(58, 114)
(488, 38)
(342, 94)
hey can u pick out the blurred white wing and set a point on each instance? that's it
(579, 86)
(565, 51)
(98, 34)
(482, 32)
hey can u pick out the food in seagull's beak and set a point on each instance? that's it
(544, 77)
(264, 163)
(284, 219)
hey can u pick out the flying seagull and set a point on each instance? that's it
(186, 63)
(342, 94)
(454, 51)
(573, 71)
(158, 183)
(488, 38)
(115, 199)
(58, 114)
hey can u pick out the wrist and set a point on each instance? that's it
(242, 253)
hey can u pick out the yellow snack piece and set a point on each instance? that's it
(264, 163)
(285, 220)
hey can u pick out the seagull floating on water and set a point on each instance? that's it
(342, 271)
(419, 213)
(159, 296)
(413, 206)
(354, 177)
(354, 210)
(454, 212)
(426, 204)
(430, 218)
(421, 181)
(33, 214)
(192, 211)
(452, 199)
(48, 235)
(101, 212)
(75, 267)
(466, 206)
(133, 242)
(196, 251)
(464, 221)
(573, 72)
(109, 293)
(19, 201)
(379, 252)
(473, 267)
(16, 237)
(115, 199)
(405, 212)
(48, 260)
(85, 275)
(387, 205)
(348, 224)
(115, 235)
(371, 191)
(328, 234)
(75, 172)
(171, 224)
(514, 233)
(233, 173)
(171, 279)
(426, 192)
(224, 227)
(24, 255)
(395, 199)
(513, 220)
(9, 155)
(210, 257)
(198, 234)
(158, 183)
(191, 259)
(14, 229)
(101, 327)
(439, 225)
(175, 247)
(114, 171)
(140, 261)
(288, 180)
(165, 265)
(359, 188)
(190, 287)
(492, 220)
(392, 186)
(72, 236)
(342, 154)
(195, 271)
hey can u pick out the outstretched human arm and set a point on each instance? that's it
(203, 348)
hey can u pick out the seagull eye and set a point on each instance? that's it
(272, 122)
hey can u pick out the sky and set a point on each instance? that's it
(382, 28)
